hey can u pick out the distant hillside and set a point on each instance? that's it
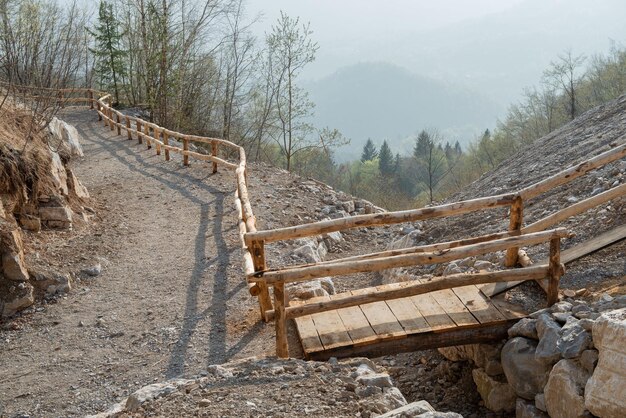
(383, 101)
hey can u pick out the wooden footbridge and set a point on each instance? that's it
(415, 314)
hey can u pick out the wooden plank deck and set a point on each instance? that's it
(567, 256)
(447, 317)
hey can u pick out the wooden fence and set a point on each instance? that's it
(260, 277)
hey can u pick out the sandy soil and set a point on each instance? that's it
(171, 299)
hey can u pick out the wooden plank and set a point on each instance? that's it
(408, 315)
(454, 307)
(567, 256)
(405, 311)
(422, 341)
(508, 309)
(330, 328)
(308, 335)
(478, 304)
(594, 244)
(357, 325)
(434, 314)
(380, 317)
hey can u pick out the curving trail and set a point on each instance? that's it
(171, 299)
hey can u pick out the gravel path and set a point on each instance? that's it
(170, 301)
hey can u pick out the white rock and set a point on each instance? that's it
(58, 173)
(564, 390)
(55, 213)
(67, 134)
(148, 393)
(605, 392)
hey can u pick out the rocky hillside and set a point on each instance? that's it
(38, 190)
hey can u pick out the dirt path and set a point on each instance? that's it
(170, 301)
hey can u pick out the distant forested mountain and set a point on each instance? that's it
(384, 101)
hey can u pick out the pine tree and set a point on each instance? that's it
(110, 64)
(385, 160)
(423, 145)
(369, 151)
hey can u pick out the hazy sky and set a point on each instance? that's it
(497, 47)
(350, 24)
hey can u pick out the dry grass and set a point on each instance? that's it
(24, 158)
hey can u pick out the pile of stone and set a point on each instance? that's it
(273, 387)
(565, 361)
(20, 286)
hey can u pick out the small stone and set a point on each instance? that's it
(93, 271)
(204, 403)
(483, 265)
(526, 409)
(589, 360)
(562, 317)
(574, 339)
(525, 327)
(148, 393)
(540, 402)
(380, 380)
(569, 293)
(587, 324)
(562, 306)
(497, 396)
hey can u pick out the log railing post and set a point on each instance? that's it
(282, 346)
(555, 271)
(185, 148)
(99, 109)
(515, 225)
(119, 124)
(60, 100)
(111, 124)
(90, 95)
(148, 136)
(139, 132)
(158, 135)
(214, 152)
(257, 250)
(166, 142)
(128, 133)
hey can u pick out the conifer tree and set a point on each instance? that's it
(385, 160)
(369, 151)
(110, 64)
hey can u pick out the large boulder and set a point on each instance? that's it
(564, 390)
(526, 409)
(67, 136)
(605, 392)
(526, 375)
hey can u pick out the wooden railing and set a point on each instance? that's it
(260, 277)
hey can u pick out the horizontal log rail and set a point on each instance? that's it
(571, 173)
(385, 218)
(576, 209)
(341, 267)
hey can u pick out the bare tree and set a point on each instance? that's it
(565, 74)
